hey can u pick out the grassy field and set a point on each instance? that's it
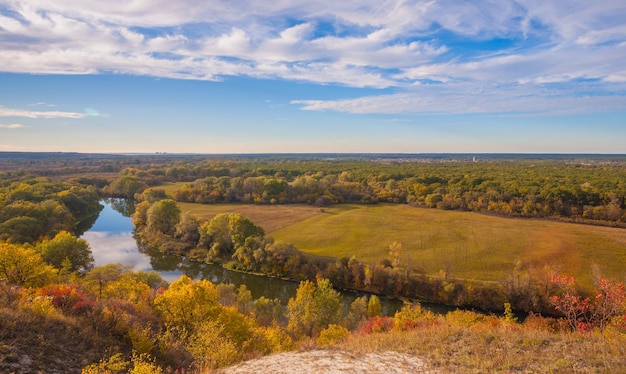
(171, 187)
(466, 245)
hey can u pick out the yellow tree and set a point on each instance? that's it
(186, 303)
(23, 266)
(314, 308)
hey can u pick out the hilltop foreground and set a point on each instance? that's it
(335, 361)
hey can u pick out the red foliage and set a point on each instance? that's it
(583, 314)
(376, 325)
(69, 299)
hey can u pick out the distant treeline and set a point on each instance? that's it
(592, 191)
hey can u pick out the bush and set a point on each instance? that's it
(332, 334)
(411, 317)
(376, 325)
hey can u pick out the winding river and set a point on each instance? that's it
(111, 240)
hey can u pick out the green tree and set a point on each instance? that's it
(187, 229)
(20, 229)
(163, 216)
(357, 313)
(267, 312)
(65, 249)
(227, 231)
(374, 307)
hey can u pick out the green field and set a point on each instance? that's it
(467, 245)
(171, 187)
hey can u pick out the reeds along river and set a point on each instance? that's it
(112, 240)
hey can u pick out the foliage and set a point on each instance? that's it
(332, 334)
(374, 307)
(583, 313)
(112, 365)
(186, 303)
(226, 232)
(211, 348)
(268, 312)
(588, 189)
(163, 216)
(376, 325)
(65, 248)
(357, 313)
(68, 298)
(33, 209)
(411, 317)
(22, 265)
(315, 306)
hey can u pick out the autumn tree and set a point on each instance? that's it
(315, 306)
(163, 216)
(225, 232)
(357, 312)
(22, 265)
(584, 313)
(186, 303)
(100, 277)
(374, 307)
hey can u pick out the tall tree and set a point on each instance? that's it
(163, 216)
(66, 250)
(314, 308)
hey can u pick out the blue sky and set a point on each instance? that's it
(299, 76)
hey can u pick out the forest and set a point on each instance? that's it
(580, 190)
(114, 319)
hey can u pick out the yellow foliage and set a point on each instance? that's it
(210, 348)
(464, 318)
(187, 303)
(39, 305)
(113, 364)
(126, 288)
(267, 340)
(141, 339)
(144, 364)
(22, 265)
(332, 334)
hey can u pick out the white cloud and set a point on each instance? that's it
(366, 43)
(9, 112)
(41, 103)
(459, 98)
(12, 126)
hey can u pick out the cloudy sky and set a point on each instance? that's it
(313, 76)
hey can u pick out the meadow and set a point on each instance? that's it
(462, 244)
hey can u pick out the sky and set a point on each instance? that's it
(366, 76)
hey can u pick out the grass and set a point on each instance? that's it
(171, 187)
(467, 342)
(269, 217)
(465, 245)
(451, 348)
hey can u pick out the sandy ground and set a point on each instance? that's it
(331, 362)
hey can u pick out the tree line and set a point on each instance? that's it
(34, 209)
(544, 188)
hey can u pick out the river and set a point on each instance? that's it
(111, 240)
